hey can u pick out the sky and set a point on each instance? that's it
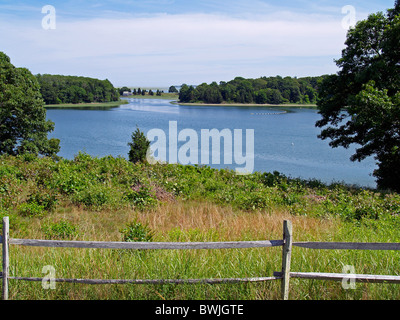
(157, 44)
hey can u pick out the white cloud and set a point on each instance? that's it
(156, 47)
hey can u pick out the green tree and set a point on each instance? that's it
(138, 147)
(186, 93)
(360, 104)
(123, 89)
(274, 96)
(173, 89)
(23, 124)
(261, 96)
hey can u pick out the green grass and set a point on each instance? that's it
(110, 199)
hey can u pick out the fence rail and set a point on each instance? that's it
(147, 245)
(154, 281)
(348, 245)
(284, 275)
(369, 278)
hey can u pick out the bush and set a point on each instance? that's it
(69, 181)
(141, 197)
(60, 230)
(138, 147)
(44, 198)
(95, 197)
(135, 231)
(31, 209)
(253, 201)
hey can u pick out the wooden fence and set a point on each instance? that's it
(284, 275)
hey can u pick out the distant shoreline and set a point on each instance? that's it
(124, 100)
(233, 104)
(111, 104)
(164, 96)
(224, 104)
(286, 105)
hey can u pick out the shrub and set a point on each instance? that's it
(44, 198)
(69, 182)
(138, 147)
(253, 201)
(60, 230)
(271, 179)
(95, 196)
(31, 209)
(135, 231)
(141, 197)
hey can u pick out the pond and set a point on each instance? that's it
(285, 140)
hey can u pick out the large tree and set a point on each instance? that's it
(361, 103)
(23, 124)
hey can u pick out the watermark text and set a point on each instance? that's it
(49, 20)
(196, 149)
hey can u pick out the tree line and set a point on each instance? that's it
(139, 91)
(264, 90)
(57, 89)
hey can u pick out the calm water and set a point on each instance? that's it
(286, 142)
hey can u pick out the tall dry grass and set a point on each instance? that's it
(172, 221)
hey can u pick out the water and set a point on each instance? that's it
(284, 142)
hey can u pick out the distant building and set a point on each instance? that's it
(126, 93)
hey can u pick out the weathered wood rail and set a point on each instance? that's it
(284, 275)
(146, 245)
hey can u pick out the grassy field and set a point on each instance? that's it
(110, 199)
(112, 104)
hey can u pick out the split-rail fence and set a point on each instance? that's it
(284, 275)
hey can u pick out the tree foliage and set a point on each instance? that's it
(124, 89)
(138, 147)
(271, 90)
(23, 124)
(361, 103)
(58, 89)
(173, 89)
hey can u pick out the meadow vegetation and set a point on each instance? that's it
(112, 199)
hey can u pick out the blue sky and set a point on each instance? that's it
(153, 43)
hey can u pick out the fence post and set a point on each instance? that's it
(286, 256)
(5, 257)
